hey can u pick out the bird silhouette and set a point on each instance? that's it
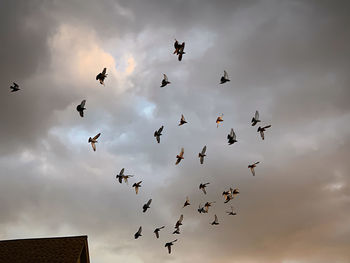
(156, 231)
(252, 166)
(179, 222)
(219, 120)
(182, 121)
(138, 233)
(262, 130)
(165, 81)
(169, 244)
(177, 230)
(179, 49)
(179, 157)
(14, 87)
(224, 78)
(216, 221)
(137, 186)
(232, 212)
(158, 133)
(231, 137)
(255, 119)
(207, 205)
(202, 187)
(201, 209)
(187, 202)
(93, 141)
(202, 154)
(147, 205)
(80, 108)
(101, 76)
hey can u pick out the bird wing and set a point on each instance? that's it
(204, 191)
(81, 113)
(183, 46)
(225, 74)
(181, 218)
(136, 189)
(157, 234)
(201, 159)
(169, 248)
(182, 152)
(82, 104)
(15, 84)
(120, 178)
(160, 129)
(182, 117)
(204, 149)
(93, 146)
(233, 134)
(158, 138)
(256, 115)
(140, 230)
(165, 77)
(268, 126)
(176, 44)
(262, 134)
(216, 219)
(121, 171)
(256, 163)
(104, 71)
(252, 169)
(97, 135)
(187, 199)
(149, 202)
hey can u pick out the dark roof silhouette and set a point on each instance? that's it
(45, 250)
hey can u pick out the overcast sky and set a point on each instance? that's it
(288, 59)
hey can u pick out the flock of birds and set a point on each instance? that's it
(231, 137)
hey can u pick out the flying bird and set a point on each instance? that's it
(93, 141)
(231, 137)
(201, 209)
(158, 133)
(219, 120)
(165, 81)
(216, 221)
(262, 129)
(14, 87)
(147, 205)
(169, 244)
(234, 192)
(101, 76)
(202, 154)
(179, 157)
(187, 202)
(179, 222)
(156, 231)
(228, 196)
(224, 78)
(182, 121)
(255, 119)
(80, 108)
(203, 186)
(138, 233)
(252, 166)
(207, 205)
(137, 186)
(232, 212)
(179, 49)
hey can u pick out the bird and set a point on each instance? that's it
(224, 78)
(228, 196)
(137, 186)
(179, 49)
(14, 87)
(231, 137)
(177, 230)
(147, 205)
(93, 141)
(156, 231)
(165, 81)
(215, 222)
(252, 166)
(187, 202)
(203, 186)
(234, 192)
(232, 212)
(218, 120)
(179, 157)
(126, 177)
(120, 175)
(201, 209)
(158, 133)
(262, 129)
(80, 108)
(179, 222)
(207, 205)
(202, 154)
(182, 121)
(169, 244)
(101, 76)
(138, 233)
(255, 119)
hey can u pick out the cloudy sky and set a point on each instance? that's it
(288, 59)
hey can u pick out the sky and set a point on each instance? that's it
(289, 60)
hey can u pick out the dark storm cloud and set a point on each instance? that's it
(288, 59)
